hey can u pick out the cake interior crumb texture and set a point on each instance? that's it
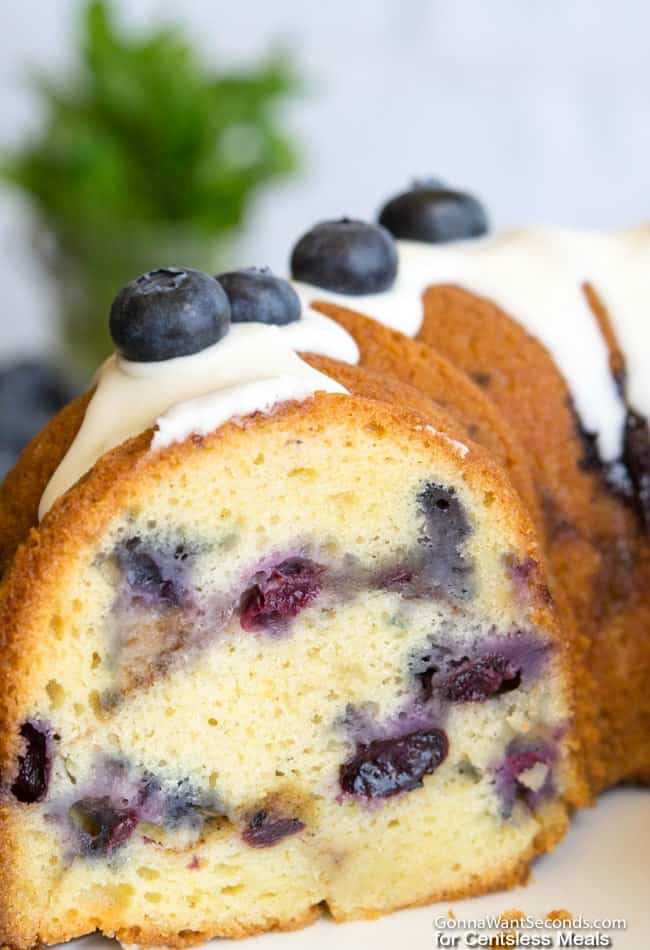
(301, 662)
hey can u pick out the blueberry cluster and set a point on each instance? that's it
(355, 257)
(174, 312)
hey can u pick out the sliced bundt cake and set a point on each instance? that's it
(283, 638)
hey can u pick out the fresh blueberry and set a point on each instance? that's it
(385, 767)
(34, 766)
(258, 296)
(347, 257)
(264, 830)
(31, 392)
(167, 313)
(280, 594)
(446, 528)
(434, 214)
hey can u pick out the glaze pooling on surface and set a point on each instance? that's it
(536, 275)
(251, 369)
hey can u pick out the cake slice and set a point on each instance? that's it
(291, 647)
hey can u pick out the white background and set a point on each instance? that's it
(542, 108)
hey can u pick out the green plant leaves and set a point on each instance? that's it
(146, 133)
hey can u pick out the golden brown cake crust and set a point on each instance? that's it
(21, 491)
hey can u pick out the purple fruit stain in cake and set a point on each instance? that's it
(410, 578)
(280, 593)
(34, 764)
(155, 575)
(526, 774)
(476, 672)
(437, 567)
(385, 767)
(446, 528)
(103, 818)
(265, 829)
(102, 825)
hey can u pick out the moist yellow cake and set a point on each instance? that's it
(289, 646)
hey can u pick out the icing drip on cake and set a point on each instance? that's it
(536, 276)
(251, 369)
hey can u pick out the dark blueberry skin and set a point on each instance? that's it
(386, 767)
(433, 214)
(168, 313)
(475, 680)
(346, 257)
(34, 766)
(102, 826)
(280, 594)
(31, 392)
(446, 528)
(258, 296)
(264, 830)
(155, 576)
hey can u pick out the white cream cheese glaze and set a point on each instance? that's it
(251, 369)
(536, 275)
(204, 414)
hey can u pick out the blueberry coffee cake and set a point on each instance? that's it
(331, 594)
(277, 633)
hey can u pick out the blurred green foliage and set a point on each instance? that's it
(148, 133)
(146, 139)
